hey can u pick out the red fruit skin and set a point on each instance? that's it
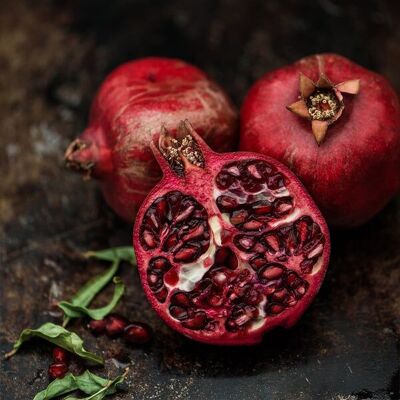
(356, 170)
(132, 104)
(190, 185)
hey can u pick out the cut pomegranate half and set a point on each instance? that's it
(228, 246)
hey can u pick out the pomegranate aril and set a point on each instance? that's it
(198, 321)
(215, 300)
(60, 355)
(226, 203)
(238, 217)
(274, 309)
(115, 325)
(307, 265)
(252, 225)
(137, 333)
(149, 240)
(262, 208)
(224, 180)
(271, 272)
(57, 370)
(258, 262)
(250, 185)
(161, 294)
(187, 254)
(244, 243)
(272, 243)
(178, 312)
(160, 263)
(275, 182)
(97, 326)
(181, 299)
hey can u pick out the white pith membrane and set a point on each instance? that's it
(281, 257)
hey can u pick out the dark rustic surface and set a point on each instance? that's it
(53, 55)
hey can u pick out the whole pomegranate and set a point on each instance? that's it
(132, 104)
(348, 156)
(228, 245)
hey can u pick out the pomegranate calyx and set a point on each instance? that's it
(78, 157)
(181, 152)
(321, 102)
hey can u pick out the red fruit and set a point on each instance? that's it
(354, 171)
(57, 370)
(60, 355)
(137, 333)
(134, 101)
(229, 245)
(115, 325)
(97, 326)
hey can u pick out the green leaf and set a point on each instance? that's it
(88, 383)
(123, 253)
(75, 311)
(59, 336)
(110, 388)
(91, 288)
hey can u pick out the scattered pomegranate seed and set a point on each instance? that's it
(97, 326)
(115, 325)
(137, 333)
(60, 355)
(57, 370)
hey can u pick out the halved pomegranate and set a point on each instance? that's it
(230, 245)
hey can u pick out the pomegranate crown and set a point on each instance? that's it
(322, 102)
(181, 150)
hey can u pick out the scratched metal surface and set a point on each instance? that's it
(53, 55)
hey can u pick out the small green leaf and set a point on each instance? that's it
(90, 289)
(123, 253)
(110, 388)
(87, 383)
(59, 336)
(76, 311)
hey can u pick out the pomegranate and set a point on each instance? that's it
(130, 107)
(57, 370)
(348, 157)
(228, 245)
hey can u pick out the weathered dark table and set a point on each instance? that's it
(53, 55)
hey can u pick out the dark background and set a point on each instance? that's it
(53, 55)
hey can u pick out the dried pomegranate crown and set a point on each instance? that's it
(182, 151)
(322, 102)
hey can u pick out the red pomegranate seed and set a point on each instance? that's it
(97, 326)
(57, 370)
(115, 325)
(137, 333)
(60, 355)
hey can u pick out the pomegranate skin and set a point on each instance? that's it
(355, 172)
(132, 104)
(199, 185)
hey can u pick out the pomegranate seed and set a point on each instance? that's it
(60, 355)
(137, 333)
(57, 370)
(97, 327)
(115, 325)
